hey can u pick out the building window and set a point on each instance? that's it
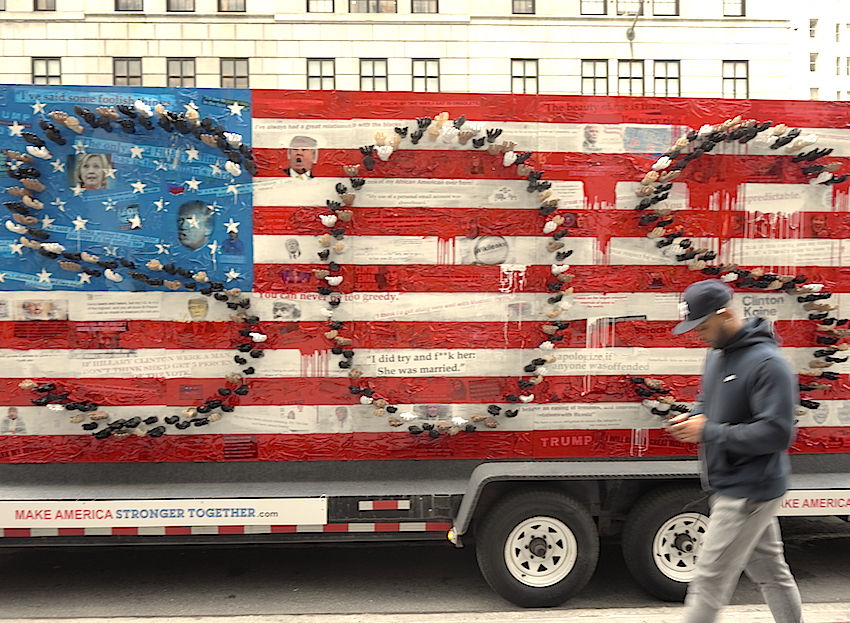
(667, 79)
(46, 71)
(734, 8)
(523, 7)
(234, 73)
(424, 6)
(735, 79)
(629, 7)
(523, 75)
(372, 6)
(127, 72)
(630, 78)
(813, 61)
(665, 7)
(44, 5)
(814, 93)
(426, 74)
(594, 7)
(837, 33)
(321, 74)
(594, 77)
(181, 72)
(813, 28)
(848, 65)
(837, 65)
(176, 6)
(373, 74)
(129, 5)
(231, 6)
(320, 6)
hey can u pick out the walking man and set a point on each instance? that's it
(744, 425)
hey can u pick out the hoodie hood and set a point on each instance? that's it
(755, 331)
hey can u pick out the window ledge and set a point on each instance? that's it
(380, 18)
(182, 14)
(10, 16)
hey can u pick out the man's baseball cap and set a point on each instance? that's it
(701, 300)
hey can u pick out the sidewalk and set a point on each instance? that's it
(813, 613)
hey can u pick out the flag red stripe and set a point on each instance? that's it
(280, 278)
(601, 224)
(308, 336)
(306, 105)
(491, 445)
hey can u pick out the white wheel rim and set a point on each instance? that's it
(677, 543)
(541, 551)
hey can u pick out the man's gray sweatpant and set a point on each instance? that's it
(742, 535)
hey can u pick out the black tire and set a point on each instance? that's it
(554, 525)
(662, 537)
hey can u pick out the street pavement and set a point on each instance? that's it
(812, 613)
(398, 583)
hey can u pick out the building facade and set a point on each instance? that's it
(822, 34)
(687, 48)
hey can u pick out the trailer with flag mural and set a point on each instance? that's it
(274, 316)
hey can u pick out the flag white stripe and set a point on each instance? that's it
(407, 250)
(400, 362)
(273, 419)
(406, 306)
(513, 194)
(528, 136)
(529, 250)
(414, 192)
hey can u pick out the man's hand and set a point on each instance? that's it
(686, 427)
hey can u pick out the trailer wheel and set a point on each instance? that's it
(537, 547)
(662, 538)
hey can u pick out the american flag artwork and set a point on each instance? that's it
(321, 275)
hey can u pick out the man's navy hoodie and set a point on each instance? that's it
(748, 397)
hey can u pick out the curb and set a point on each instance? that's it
(813, 613)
